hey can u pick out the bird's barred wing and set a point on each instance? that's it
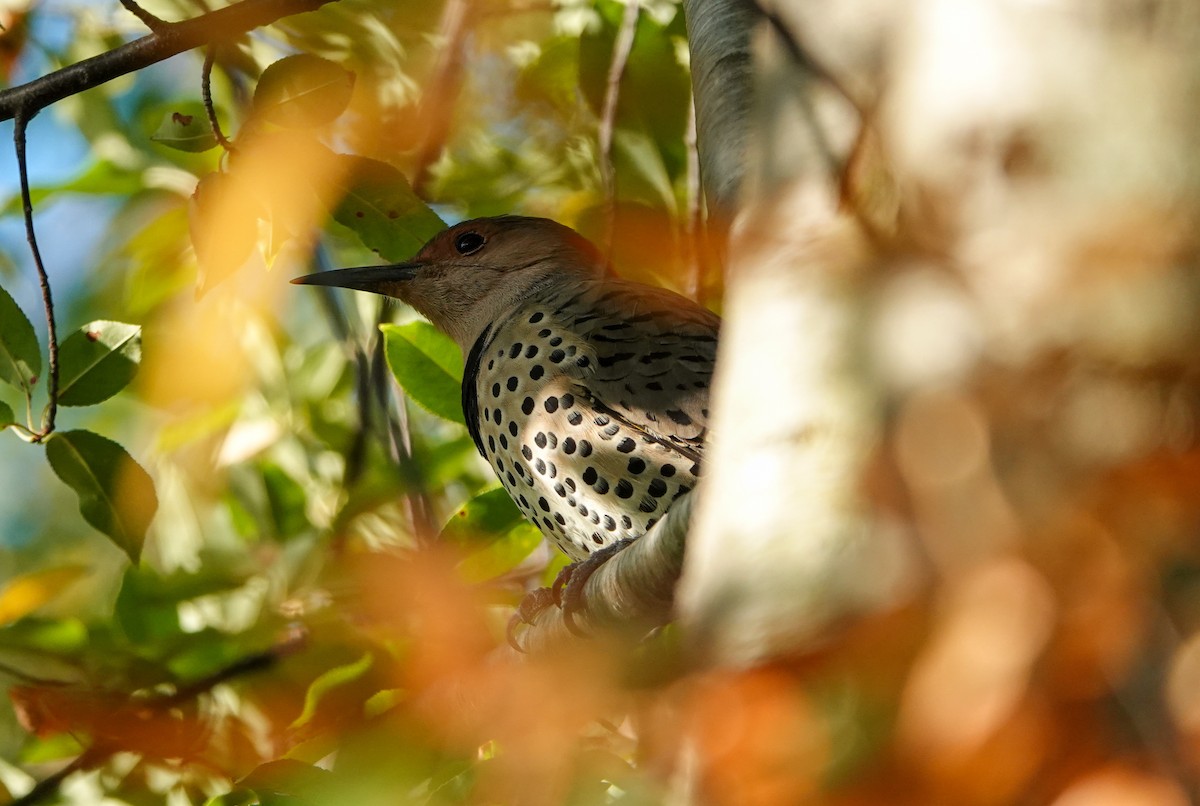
(644, 359)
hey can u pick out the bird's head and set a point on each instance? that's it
(469, 275)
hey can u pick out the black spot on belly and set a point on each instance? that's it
(657, 488)
(624, 489)
(515, 350)
(626, 445)
(590, 475)
(636, 465)
(527, 406)
(512, 383)
(568, 446)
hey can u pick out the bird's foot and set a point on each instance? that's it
(568, 586)
(533, 604)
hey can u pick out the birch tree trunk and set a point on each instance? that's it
(960, 379)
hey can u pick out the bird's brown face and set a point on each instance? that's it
(468, 275)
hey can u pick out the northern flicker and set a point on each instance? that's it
(587, 394)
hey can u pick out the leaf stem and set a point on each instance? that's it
(210, 54)
(21, 120)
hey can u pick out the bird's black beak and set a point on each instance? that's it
(363, 278)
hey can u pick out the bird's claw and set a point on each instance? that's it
(568, 586)
(533, 604)
(566, 592)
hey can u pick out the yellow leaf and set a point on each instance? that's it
(28, 592)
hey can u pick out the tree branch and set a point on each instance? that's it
(149, 20)
(633, 592)
(47, 426)
(169, 40)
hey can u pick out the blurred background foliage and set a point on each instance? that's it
(219, 634)
(260, 561)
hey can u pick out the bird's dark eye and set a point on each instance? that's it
(469, 243)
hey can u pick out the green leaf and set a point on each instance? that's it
(186, 129)
(7, 417)
(491, 518)
(292, 783)
(328, 681)
(381, 208)
(97, 361)
(116, 495)
(488, 516)
(501, 556)
(20, 356)
(428, 365)
(302, 91)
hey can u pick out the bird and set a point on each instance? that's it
(587, 394)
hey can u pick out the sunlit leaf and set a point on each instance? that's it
(27, 592)
(485, 517)
(20, 356)
(7, 417)
(327, 682)
(502, 555)
(116, 495)
(428, 365)
(97, 361)
(223, 221)
(57, 636)
(491, 519)
(186, 129)
(302, 91)
(381, 208)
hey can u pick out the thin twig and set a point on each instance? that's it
(47, 428)
(149, 20)
(210, 54)
(694, 255)
(399, 441)
(175, 38)
(438, 97)
(608, 118)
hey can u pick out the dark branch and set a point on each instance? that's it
(47, 427)
(210, 55)
(149, 20)
(172, 39)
